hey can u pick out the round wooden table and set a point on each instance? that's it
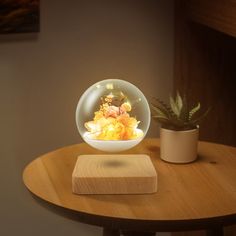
(199, 195)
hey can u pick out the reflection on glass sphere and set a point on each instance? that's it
(113, 115)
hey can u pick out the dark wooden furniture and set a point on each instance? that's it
(205, 62)
(199, 195)
(205, 65)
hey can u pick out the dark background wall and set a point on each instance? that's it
(42, 77)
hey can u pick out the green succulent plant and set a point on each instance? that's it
(177, 115)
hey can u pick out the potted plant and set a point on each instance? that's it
(179, 128)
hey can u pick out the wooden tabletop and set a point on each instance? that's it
(189, 196)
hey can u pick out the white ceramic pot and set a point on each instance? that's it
(178, 146)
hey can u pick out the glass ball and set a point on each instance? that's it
(113, 115)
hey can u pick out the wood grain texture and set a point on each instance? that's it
(192, 196)
(205, 67)
(217, 14)
(114, 174)
(205, 72)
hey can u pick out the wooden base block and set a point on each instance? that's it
(114, 174)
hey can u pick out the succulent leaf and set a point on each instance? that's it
(198, 119)
(176, 115)
(184, 114)
(194, 110)
(158, 110)
(162, 105)
(179, 102)
(174, 106)
(161, 118)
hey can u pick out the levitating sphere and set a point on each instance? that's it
(113, 115)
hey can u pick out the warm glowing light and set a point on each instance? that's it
(113, 121)
(109, 86)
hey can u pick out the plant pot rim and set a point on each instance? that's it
(181, 131)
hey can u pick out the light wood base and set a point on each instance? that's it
(114, 174)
